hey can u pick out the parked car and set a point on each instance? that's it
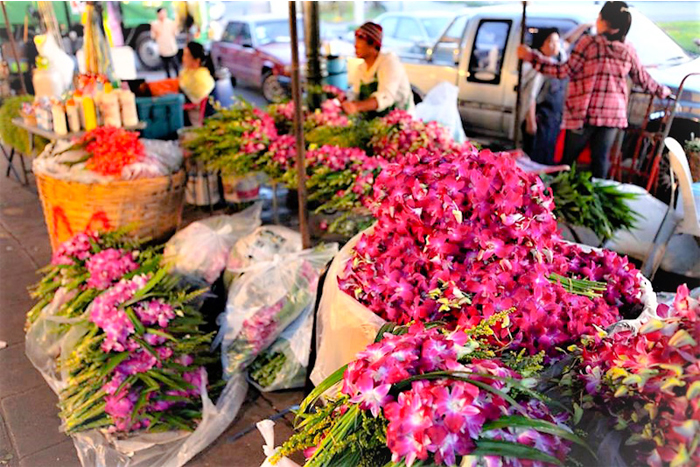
(412, 32)
(477, 53)
(255, 49)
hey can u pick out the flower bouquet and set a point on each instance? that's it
(648, 382)
(234, 140)
(266, 299)
(421, 395)
(283, 364)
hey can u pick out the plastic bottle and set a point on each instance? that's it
(78, 98)
(58, 115)
(109, 106)
(127, 100)
(73, 116)
(90, 114)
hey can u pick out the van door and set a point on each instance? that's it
(482, 84)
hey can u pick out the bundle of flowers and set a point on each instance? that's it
(84, 266)
(400, 133)
(283, 115)
(135, 353)
(330, 114)
(334, 92)
(649, 382)
(426, 396)
(463, 235)
(234, 140)
(111, 149)
(140, 364)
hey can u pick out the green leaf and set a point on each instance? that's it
(113, 362)
(516, 421)
(489, 447)
(318, 391)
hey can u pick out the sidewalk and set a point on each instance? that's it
(29, 424)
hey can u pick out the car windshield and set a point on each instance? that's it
(435, 26)
(276, 31)
(652, 44)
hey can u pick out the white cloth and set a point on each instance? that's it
(165, 32)
(393, 85)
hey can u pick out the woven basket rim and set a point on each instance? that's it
(179, 173)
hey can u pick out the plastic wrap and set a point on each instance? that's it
(267, 430)
(265, 300)
(283, 365)
(440, 105)
(169, 449)
(260, 246)
(200, 250)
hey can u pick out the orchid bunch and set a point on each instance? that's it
(330, 114)
(140, 363)
(463, 235)
(649, 382)
(85, 265)
(424, 396)
(234, 140)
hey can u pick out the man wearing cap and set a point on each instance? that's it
(379, 84)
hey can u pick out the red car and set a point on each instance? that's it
(256, 50)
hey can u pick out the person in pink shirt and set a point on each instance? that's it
(596, 102)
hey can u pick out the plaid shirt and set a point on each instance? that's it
(598, 92)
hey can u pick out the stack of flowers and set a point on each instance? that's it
(463, 235)
(136, 355)
(235, 140)
(330, 114)
(400, 133)
(429, 397)
(649, 382)
(111, 149)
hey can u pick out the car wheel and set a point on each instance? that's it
(147, 51)
(272, 90)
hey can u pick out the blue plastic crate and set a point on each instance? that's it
(163, 115)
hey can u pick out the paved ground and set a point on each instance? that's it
(29, 425)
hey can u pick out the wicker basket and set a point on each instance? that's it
(150, 207)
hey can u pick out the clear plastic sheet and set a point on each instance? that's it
(200, 250)
(266, 299)
(440, 105)
(283, 365)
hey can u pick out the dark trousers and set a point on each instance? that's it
(601, 140)
(170, 62)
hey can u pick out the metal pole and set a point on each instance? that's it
(516, 125)
(312, 38)
(298, 126)
(14, 48)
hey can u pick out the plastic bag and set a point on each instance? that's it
(440, 105)
(283, 364)
(267, 430)
(162, 158)
(200, 250)
(344, 326)
(265, 300)
(168, 449)
(260, 246)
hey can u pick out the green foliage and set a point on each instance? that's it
(597, 205)
(355, 135)
(12, 135)
(692, 145)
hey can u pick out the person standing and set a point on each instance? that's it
(380, 83)
(164, 31)
(596, 102)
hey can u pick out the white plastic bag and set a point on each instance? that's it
(267, 430)
(260, 246)
(265, 300)
(283, 364)
(168, 449)
(200, 250)
(344, 326)
(440, 105)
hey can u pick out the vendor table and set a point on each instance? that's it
(51, 136)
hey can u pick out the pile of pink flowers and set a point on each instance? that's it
(399, 133)
(108, 266)
(330, 114)
(463, 235)
(438, 405)
(649, 382)
(77, 248)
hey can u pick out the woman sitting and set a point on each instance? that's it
(196, 81)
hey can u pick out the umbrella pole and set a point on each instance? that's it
(518, 110)
(14, 48)
(298, 127)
